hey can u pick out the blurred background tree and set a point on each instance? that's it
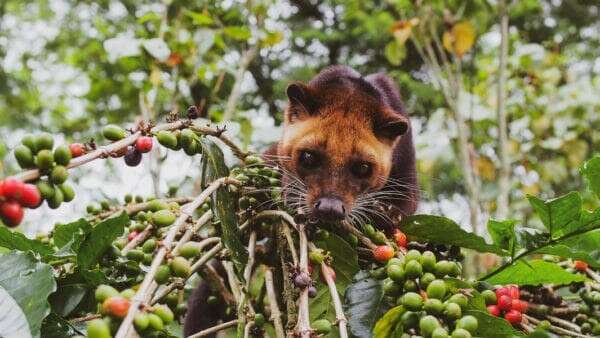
(69, 67)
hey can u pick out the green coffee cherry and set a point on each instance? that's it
(24, 157)
(186, 138)
(149, 245)
(412, 301)
(321, 326)
(433, 306)
(104, 292)
(128, 293)
(468, 323)
(46, 189)
(44, 159)
(190, 249)
(452, 311)
(29, 142)
(44, 141)
(413, 269)
(57, 198)
(395, 261)
(413, 255)
(163, 218)
(181, 267)
(113, 132)
(396, 273)
(411, 285)
(167, 139)
(259, 320)
(165, 314)
(155, 322)
(439, 332)
(390, 288)
(409, 320)
(489, 296)
(316, 256)
(62, 155)
(67, 191)
(461, 333)
(163, 273)
(427, 324)
(428, 261)
(98, 328)
(437, 289)
(59, 175)
(443, 268)
(135, 255)
(427, 278)
(459, 299)
(141, 321)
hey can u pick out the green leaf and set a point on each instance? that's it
(345, 260)
(18, 241)
(67, 298)
(363, 304)
(441, 230)
(395, 53)
(14, 322)
(385, 326)
(559, 215)
(319, 305)
(591, 173)
(64, 233)
(28, 282)
(584, 247)
(502, 233)
(534, 272)
(56, 327)
(100, 239)
(224, 204)
(237, 32)
(199, 18)
(492, 327)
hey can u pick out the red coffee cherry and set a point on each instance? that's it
(581, 266)
(400, 238)
(143, 144)
(30, 196)
(77, 149)
(505, 303)
(494, 310)
(11, 213)
(513, 316)
(11, 188)
(383, 253)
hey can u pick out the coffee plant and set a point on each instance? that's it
(127, 269)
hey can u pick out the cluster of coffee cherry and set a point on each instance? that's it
(506, 301)
(36, 151)
(132, 155)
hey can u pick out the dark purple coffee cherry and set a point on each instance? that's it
(312, 292)
(192, 112)
(133, 157)
(302, 280)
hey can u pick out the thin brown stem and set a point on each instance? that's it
(335, 296)
(275, 312)
(303, 326)
(214, 329)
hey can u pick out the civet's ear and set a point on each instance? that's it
(391, 126)
(301, 101)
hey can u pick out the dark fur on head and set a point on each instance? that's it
(344, 120)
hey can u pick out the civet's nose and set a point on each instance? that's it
(329, 209)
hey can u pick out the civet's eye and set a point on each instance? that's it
(309, 160)
(361, 169)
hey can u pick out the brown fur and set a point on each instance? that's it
(345, 118)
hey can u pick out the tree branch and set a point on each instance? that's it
(504, 179)
(275, 312)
